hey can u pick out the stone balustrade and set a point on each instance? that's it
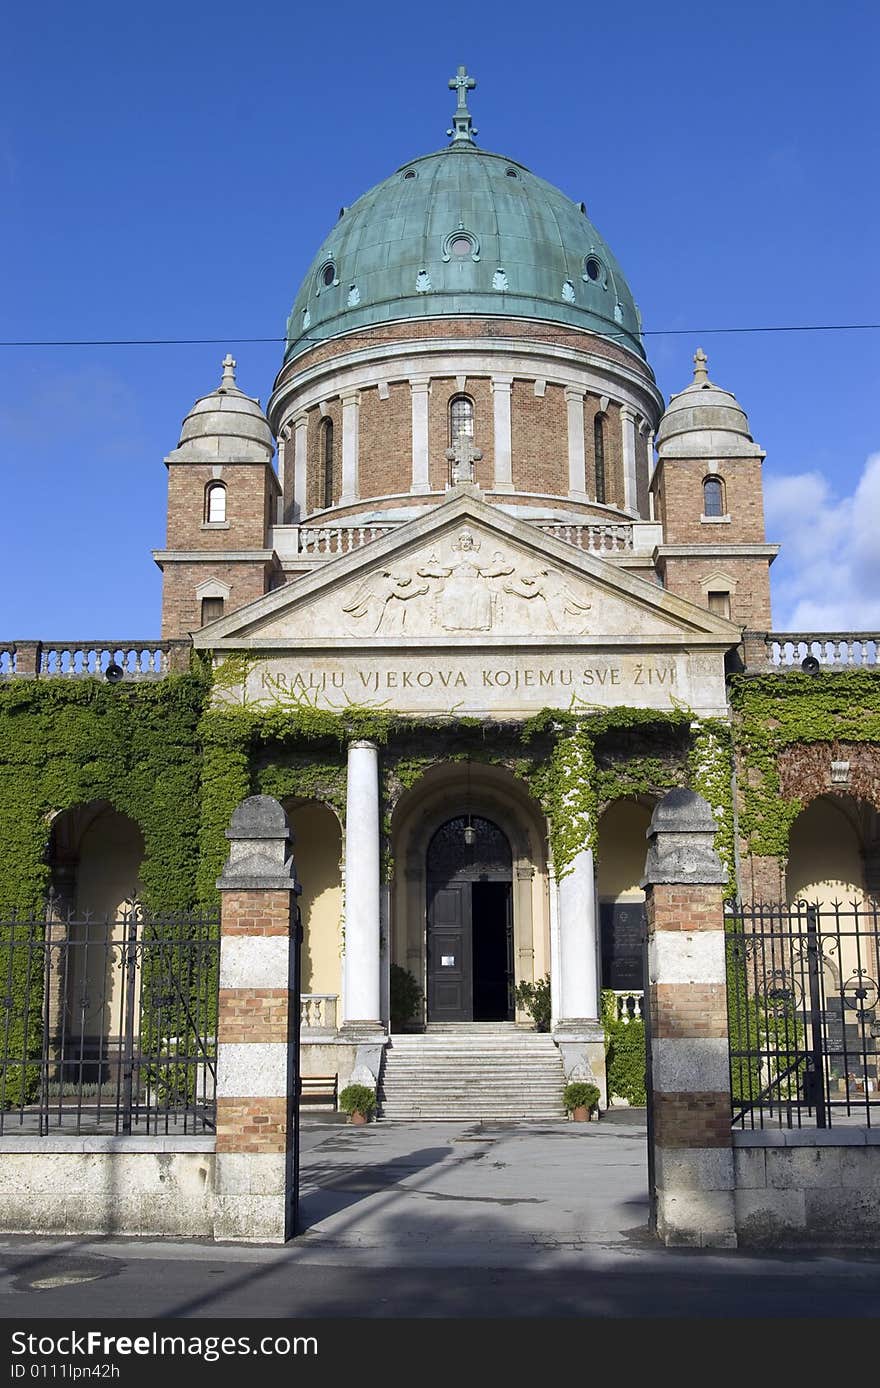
(611, 538)
(320, 541)
(629, 1005)
(318, 1011)
(834, 650)
(136, 660)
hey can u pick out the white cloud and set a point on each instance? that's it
(827, 577)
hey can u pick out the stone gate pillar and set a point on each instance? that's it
(257, 1029)
(690, 1147)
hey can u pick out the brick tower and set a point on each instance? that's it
(222, 502)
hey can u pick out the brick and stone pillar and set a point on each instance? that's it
(350, 447)
(257, 1029)
(501, 388)
(577, 462)
(362, 988)
(300, 466)
(690, 1143)
(630, 484)
(420, 386)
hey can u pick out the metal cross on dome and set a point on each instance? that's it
(463, 129)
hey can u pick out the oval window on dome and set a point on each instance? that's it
(410, 173)
(511, 173)
(461, 246)
(326, 275)
(593, 268)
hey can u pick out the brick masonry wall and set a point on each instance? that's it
(249, 489)
(385, 434)
(539, 437)
(679, 484)
(315, 455)
(749, 601)
(181, 608)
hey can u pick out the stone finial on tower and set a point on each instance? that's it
(463, 129)
(701, 366)
(229, 364)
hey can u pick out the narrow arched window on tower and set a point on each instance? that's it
(327, 458)
(461, 419)
(215, 503)
(713, 497)
(599, 455)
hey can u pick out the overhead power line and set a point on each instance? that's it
(232, 338)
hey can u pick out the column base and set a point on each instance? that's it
(581, 1043)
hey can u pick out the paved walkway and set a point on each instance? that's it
(442, 1220)
(465, 1191)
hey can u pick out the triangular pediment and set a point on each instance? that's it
(467, 574)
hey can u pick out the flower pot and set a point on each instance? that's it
(358, 1119)
(581, 1114)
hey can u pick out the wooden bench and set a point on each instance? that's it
(316, 1089)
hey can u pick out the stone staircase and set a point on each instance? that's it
(472, 1071)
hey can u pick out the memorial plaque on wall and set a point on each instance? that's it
(622, 926)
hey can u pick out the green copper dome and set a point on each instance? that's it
(463, 231)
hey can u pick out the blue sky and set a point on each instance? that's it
(169, 171)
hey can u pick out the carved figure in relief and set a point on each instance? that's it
(464, 600)
(382, 598)
(553, 598)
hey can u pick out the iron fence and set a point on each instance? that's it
(108, 1025)
(803, 1014)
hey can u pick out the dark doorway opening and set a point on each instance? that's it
(490, 911)
(470, 925)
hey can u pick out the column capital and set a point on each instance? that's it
(301, 420)
(628, 414)
(419, 384)
(573, 394)
(350, 397)
(501, 384)
(364, 743)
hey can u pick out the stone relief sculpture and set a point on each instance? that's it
(382, 597)
(466, 594)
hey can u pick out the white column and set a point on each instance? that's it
(350, 413)
(421, 468)
(628, 430)
(362, 982)
(577, 465)
(300, 469)
(501, 387)
(578, 941)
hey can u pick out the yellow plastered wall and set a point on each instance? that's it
(825, 861)
(622, 850)
(317, 853)
(110, 856)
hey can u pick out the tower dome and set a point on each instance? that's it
(704, 420)
(463, 231)
(226, 424)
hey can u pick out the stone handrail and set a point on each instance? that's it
(324, 540)
(318, 1011)
(137, 660)
(613, 537)
(629, 1005)
(837, 650)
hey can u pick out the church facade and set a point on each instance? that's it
(468, 597)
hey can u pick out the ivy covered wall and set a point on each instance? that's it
(159, 753)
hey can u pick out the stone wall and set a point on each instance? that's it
(809, 1187)
(107, 1185)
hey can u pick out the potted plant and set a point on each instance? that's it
(406, 998)
(580, 1100)
(359, 1102)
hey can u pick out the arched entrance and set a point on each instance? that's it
(470, 960)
